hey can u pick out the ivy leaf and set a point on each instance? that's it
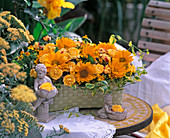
(73, 87)
(90, 85)
(104, 82)
(76, 114)
(104, 89)
(91, 59)
(70, 115)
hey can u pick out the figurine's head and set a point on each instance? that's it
(108, 99)
(41, 70)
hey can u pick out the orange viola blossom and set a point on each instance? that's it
(117, 108)
(33, 73)
(47, 86)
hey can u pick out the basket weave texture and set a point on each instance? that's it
(67, 97)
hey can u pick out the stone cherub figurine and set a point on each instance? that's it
(44, 97)
(106, 110)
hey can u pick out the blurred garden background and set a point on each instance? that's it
(97, 19)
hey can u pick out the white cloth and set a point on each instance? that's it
(84, 126)
(155, 85)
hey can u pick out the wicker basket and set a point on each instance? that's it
(67, 97)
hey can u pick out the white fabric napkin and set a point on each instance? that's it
(84, 126)
(155, 85)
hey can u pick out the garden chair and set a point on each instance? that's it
(155, 30)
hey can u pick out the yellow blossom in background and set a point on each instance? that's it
(85, 36)
(27, 53)
(33, 73)
(117, 108)
(68, 66)
(23, 93)
(69, 80)
(61, 126)
(36, 45)
(47, 86)
(31, 47)
(3, 52)
(4, 59)
(4, 22)
(55, 73)
(65, 42)
(4, 13)
(66, 130)
(14, 34)
(4, 44)
(21, 76)
(22, 52)
(54, 7)
(47, 38)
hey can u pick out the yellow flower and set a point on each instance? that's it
(74, 52)
(118, 69)
(4, 44)
(3, 52)
(69, 80)
(124, 56)
(54, 7)
(23, 93)
(47, 38)
(4, 22)
(84, 72)
(107, 69)
(27, 53)
(47, 86)
(65, 42)
(4, 59)
(4, 13)
(99, 68)
(21, 76)
(106, 46)
(90, 49)
(61, 126)
(33, 73)
(22, 52)
(111, 52)
(117, 108)
(66, 130)
(55, 73)
(85, 36)
(56, 59)
(31, 47)
(68, 66)
(36, 45)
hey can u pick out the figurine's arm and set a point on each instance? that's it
(36, 86)
(107, 109)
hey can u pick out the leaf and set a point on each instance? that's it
(112, 39)
(37, 31)
(76, 114)
(70, 115)
(104, 89)
(91, 59)
(104, 82)
(27, 2)
(36, 5)
(90, 85)
(72, 24)
(73, 87)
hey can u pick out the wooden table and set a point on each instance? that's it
(138, 117)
